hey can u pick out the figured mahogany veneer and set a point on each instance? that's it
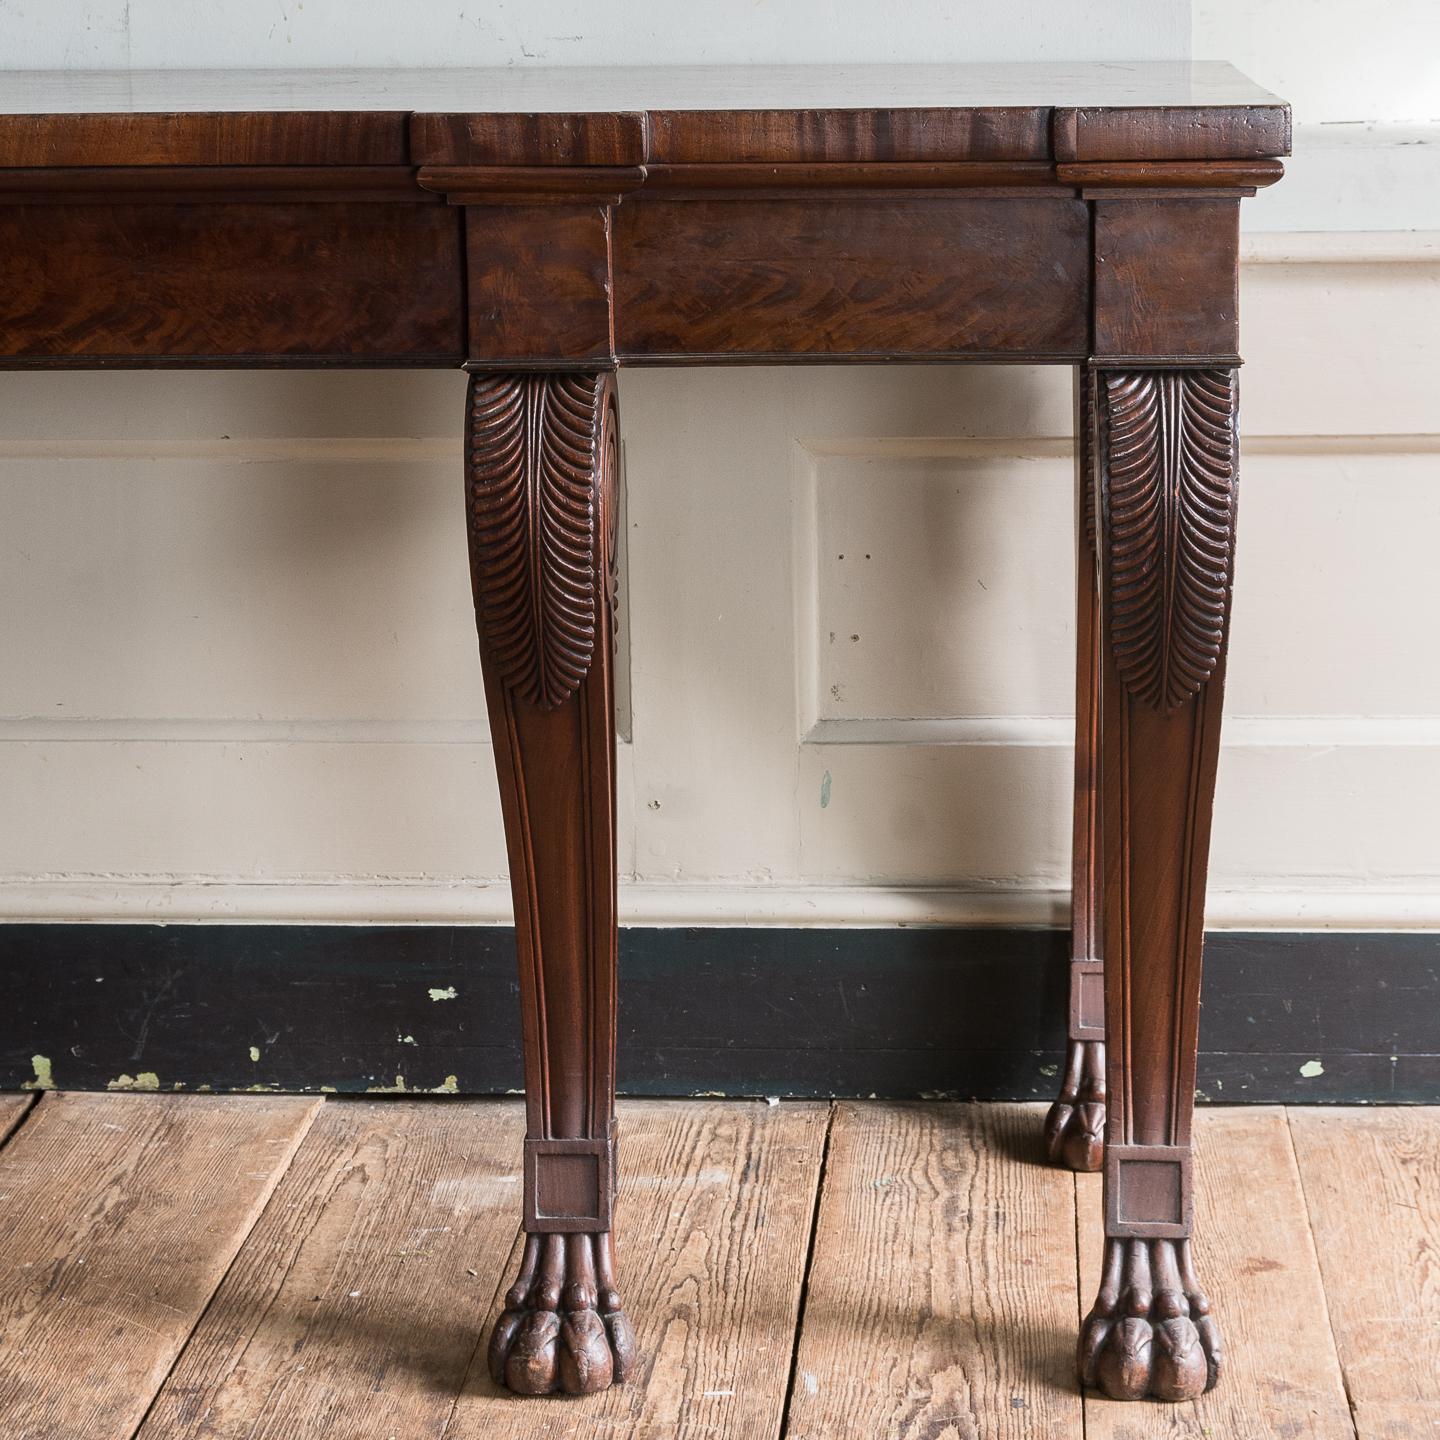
(1078, 215)
(231, 282)
(701, 277)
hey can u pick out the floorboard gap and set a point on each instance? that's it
(1079, 1301)
(219, 1284)
(1325, 1294)
(794, 1375)
(11, 1123)
(480, 1354)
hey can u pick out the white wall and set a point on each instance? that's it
(1364, 83)
(232, 34)
(237, 675)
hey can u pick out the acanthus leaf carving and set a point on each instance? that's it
(1168, 484)
(538, 451)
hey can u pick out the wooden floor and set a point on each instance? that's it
(269, 1266)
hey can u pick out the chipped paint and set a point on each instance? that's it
(145, 1080)
(255, 1053)
(259, 1090)
(450, 1086)
(1049, 1069)
(408, 1039)
(1311, 1068)
(448, 993)
(825, 791)
(44, 1076)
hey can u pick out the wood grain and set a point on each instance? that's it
(1192, 132)
(534, 139)
(358, 1300)
(121, 1214)
(275, 137)
(852, 175)
(1372, 1185)
(1257, 1264)
(1166, 278)
(1172, 174)
(681, 137)
(12, 1112)
(304, 282)
(191, 184)
(829, 277)
(714, 1212)
(942, 1298)
(538, 283)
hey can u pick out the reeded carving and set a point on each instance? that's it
(1168, 476)
(1085, 463)
(537, 450)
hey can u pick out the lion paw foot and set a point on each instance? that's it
(1150, 1333)
(1075, 1126)
(562, 1328)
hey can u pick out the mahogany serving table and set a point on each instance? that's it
(540, 229)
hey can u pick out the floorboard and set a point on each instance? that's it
(119, 1214)
(713, 1220)
(1257, 1263)
(12, 1112)
(1372, 1184)
(941, 1299)
(264, 1267)
(359, 1299)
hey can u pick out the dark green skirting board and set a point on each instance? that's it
(1288, 1017)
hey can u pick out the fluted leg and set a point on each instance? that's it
(1167, 473)
(1075, 1126)
(540, 471)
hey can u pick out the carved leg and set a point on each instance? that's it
(1167, 472)
(1076, 1123)
(540, 468)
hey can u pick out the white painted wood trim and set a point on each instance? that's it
(163, 900)
(1062, 447)
(1269, 732)
(232, 730)
(1341, 247)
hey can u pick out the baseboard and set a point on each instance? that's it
(667, 905)
(956, 1012)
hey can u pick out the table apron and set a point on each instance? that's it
(663, 279)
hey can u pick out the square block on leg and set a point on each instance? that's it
(1087, 1000)
(1148, 1192)
(569, 1186)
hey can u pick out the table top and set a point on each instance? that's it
(627, 116)
(631, 88)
